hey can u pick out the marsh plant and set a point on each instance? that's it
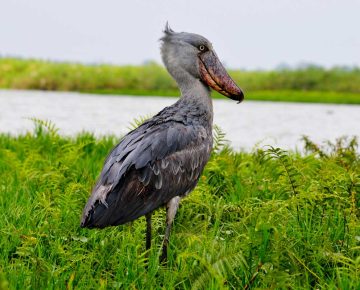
(306, 84)
(267, 219)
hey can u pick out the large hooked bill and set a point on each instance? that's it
(214, 74)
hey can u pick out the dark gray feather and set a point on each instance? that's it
(160, 159)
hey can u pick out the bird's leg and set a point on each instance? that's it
(171, 209)
(148, 231)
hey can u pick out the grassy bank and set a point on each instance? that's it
(266, 219)
(302, 85)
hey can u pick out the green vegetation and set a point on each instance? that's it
(311, 84)
(262, 220)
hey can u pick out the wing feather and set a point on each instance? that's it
(146, 169)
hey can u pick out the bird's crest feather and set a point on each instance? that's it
(168, 30)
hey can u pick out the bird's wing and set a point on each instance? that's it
(147, 168)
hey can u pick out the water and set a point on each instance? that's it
(246, 125)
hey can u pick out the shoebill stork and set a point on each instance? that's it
(161, 161)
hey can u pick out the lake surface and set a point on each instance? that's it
(246, 125)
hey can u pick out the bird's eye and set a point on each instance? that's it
(202, 47)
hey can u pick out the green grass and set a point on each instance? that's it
(267, 219)
(310, 84)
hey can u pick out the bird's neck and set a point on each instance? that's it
(190, 86)
(195, 91)
(196, 96)
(194, 88)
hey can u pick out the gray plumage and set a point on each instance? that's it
(162, 160)
(159, 160)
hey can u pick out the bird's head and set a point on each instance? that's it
(189, 55)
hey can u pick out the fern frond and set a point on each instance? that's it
(48, 125)
(219, 139)
(312, 147)
(138, 122)
(288, 167)
(220, 269)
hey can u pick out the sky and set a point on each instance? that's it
(246, 34)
